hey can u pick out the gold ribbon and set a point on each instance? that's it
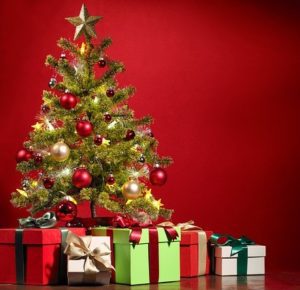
(202, 242)
(79, 248)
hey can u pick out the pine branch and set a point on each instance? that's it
(67, 45)
(123, 94)
(114, 68)
(147, 120)
(98, 51)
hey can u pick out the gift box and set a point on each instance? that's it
(89, 261)
(194, 253)
(154, 259)
(249, 260)
(33, 256)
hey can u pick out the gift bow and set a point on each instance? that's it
(237, 245)
(136, 228)
(79, 248)
(48, 220)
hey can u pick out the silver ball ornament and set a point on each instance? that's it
(131, 189)
(60, 151)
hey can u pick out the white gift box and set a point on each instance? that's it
(76, 274)
(226, 265)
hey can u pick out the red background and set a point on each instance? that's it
(221, 80)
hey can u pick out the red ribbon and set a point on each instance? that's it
(153, 255)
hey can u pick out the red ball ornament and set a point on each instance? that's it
(110, 179)
(48, 182)
(158, 176)
(23, 155)
(84, 128)
(98, 139)
(110, 92)
(81, 178)
(66, 211)
(107, 117)
(45, 109)
(129, 135)
(38, 158)
(68, 101)
(102, 62)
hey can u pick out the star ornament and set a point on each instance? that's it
(85, 24)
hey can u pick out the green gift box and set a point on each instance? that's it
(145, 262)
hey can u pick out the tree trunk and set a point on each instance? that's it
(93, 209)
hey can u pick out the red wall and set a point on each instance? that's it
(222, 82)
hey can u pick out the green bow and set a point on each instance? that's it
(48, 220)
(238, 246)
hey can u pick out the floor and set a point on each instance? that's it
(276, 281)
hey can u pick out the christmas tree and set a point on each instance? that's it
(87, 144)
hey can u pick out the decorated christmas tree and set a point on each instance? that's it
(87, 144)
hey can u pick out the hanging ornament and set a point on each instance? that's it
(48, 182)
(23, 155)
(158, 176)
(63, 55)
(129, 135)
(84, 128)
(142, 159)
(110, 92)
(98, 139)
(38, 158)
(52, 83)
(107, 117)
(60, 151)
(110, 179)
(68, 101)
(45, 109)
(66, 211)
(81, 178)
(131, 189)
(102, 62)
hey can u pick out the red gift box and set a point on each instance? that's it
(194, 253)
(42, 255)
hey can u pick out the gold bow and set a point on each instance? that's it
(79, 248)
(187, 226)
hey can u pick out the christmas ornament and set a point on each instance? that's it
(129, 135)
(52, 83)
(81, 178)
(68, 101)
(110, 92)
(85, 24)
(98, 139)
(25, 184)
(110, 179)
(107, 117)
(37, 126)
(102, 62)
(83, 48)
(48, 182)
(45, 109)
(60, 151)
(142, 159)
(84, 128)
(66, 211)
(151, 134)
(38, 158)
(131, 189)
(158, 176)
(22, 192)
(23, 155)
(63, 55)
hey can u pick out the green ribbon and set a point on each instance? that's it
(238, 246)
(48, 220)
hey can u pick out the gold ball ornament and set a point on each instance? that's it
(60, 151)
(131, 189)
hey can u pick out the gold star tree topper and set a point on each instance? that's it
(85, 24)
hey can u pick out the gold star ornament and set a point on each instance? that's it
(85, 24)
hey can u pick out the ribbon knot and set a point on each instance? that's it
(48, 220)
(79, 248)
